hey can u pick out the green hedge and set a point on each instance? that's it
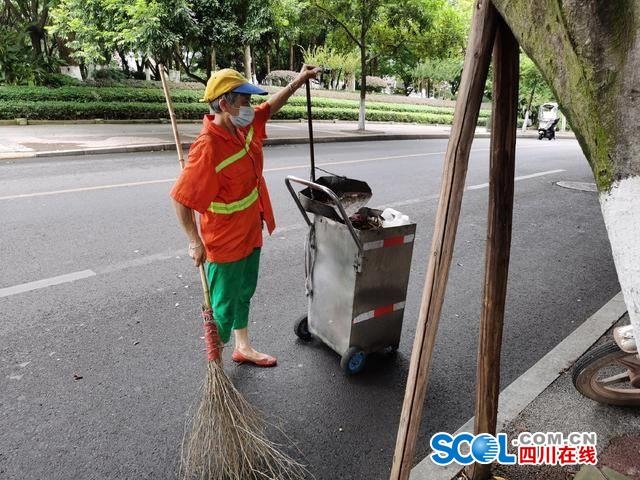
(392, 107)
(103, 94)
(54, 110)
(291, 112)
(86, 94)
(106, 110)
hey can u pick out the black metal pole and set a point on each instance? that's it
(313, 161)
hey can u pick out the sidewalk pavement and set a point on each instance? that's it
(543, 399)
(562, 408)
(57, 138)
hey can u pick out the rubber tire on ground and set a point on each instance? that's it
(589, 364)
(353, 360)
(301, 328)
(540, 136)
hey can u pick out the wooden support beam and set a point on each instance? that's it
(501, 185)
(474, 76)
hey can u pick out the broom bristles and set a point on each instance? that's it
(227, 438)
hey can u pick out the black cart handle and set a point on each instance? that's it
(333, 196)
(312, 177)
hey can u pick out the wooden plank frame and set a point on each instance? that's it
(506, 57)
(474, 75)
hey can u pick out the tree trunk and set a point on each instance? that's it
(589, 52)
(36, 35)
(363, 83)
(268, 59)
(527, 113)
(123, 60)
(213, 61)
(291, 56)
(247, 62)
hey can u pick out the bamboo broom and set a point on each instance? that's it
(226, 438)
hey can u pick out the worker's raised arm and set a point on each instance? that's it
(278, 99)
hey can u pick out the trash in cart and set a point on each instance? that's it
(353, 194)
(367, 218)
(357, 271)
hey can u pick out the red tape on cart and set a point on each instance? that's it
(378, 312)
(388, 242)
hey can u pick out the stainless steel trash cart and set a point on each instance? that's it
(356, 283)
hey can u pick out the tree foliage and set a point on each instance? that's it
(534, 90)
(27, 53)
(373, 37)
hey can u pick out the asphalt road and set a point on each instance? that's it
(129, 324)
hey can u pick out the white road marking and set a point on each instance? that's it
(87, 189)
(145, 260)
(167, 180)
(363, 160)
(523, 177)
(267, 170)
(472, 187)
(46, 282)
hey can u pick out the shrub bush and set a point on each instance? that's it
(280, 78)
(133, 83)
(376, 84)
(56, 80)
(125, 103)
(55, 110)
(109, 74)
(180, 95)
(107, 111)
(106, 94)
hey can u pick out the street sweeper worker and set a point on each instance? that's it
(223, 181)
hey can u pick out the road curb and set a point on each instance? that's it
(185, 145)
(155, 147)
(528, 386)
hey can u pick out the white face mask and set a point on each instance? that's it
(244, 117)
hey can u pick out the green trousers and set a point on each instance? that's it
(231, 286)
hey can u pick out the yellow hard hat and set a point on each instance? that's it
(228, 80)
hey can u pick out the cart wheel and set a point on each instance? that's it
(541, 136)
(353, 360)
(301, 328)
(601, 375)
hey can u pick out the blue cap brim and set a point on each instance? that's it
(249, 89)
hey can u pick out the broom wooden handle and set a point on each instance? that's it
(176, 136)
(172, 115)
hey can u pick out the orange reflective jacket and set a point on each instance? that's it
(223, 181)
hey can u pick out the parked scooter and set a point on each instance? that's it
(610, 372)
(548, 118)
